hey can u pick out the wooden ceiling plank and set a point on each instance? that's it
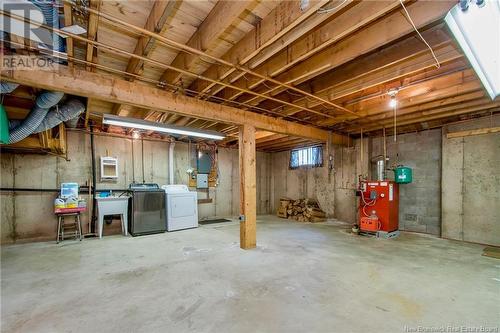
(217, 21)
(479, 131)
(93, 23)
(285, 42)
(388, 29)
(68, 21)
(430, 115)
(111, 89)
(157, 18)
(416, 112)
(173, 43)
(286, 16)
(399, 70)
(398, 60)
(155, 22)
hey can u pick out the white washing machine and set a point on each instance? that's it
(182, 207)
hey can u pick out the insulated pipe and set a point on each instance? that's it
(380, 170)
(380, 160)
(7, 87)
(171, 163)
(69, 110)
(43, 103)
(50, 12)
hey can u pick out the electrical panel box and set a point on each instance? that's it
(202, 180)
(204, 162)
(109, 168)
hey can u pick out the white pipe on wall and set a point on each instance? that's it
(171, 163)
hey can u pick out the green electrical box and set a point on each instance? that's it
(4, 126)
(403, 175)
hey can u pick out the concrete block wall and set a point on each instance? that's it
(301, 183)
(28, 216)
(350, 162)
(420, 201)
(471, 183)
(334, 190)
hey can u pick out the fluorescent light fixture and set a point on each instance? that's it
(159, 127)
(477, 30)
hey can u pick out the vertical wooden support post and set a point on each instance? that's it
(248, 192)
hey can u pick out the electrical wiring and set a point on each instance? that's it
(329, 10)
(369, 204)
(438, 65)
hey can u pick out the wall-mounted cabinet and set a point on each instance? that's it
(109, 168)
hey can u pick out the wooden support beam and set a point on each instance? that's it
(286, 16)
(479, 131)
(93, 22)
(68, 21)
(388, 29)
(115, 90)
(415, 97)
(303, 30)
(248, 189)
(217, 21)
(317, 40)
(429, 115)
(301, 35)
(289, 142)
(155, 23)
(444, 105)
(395, 62)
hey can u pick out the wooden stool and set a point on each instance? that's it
(76, 225)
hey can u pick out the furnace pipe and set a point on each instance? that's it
(171, 163)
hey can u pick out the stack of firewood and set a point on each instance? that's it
(302, 210)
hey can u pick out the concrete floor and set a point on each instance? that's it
(301, 278)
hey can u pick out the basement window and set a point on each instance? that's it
(311, 157)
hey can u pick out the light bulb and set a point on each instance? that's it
(135, 135)
(393, 102)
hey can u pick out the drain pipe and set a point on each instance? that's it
(171, 163)
(94, 178)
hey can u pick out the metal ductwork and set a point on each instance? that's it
(7, 87)
(68, 111)
(43, 103)
(51, 14)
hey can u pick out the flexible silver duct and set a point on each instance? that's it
(51, 15)
(69, 110)
(43, 103)
(7, 87)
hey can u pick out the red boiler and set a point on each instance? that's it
(379, 206)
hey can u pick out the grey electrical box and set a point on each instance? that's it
(202, 180)
(204, 162)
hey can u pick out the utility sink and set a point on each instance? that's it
(112, 206)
